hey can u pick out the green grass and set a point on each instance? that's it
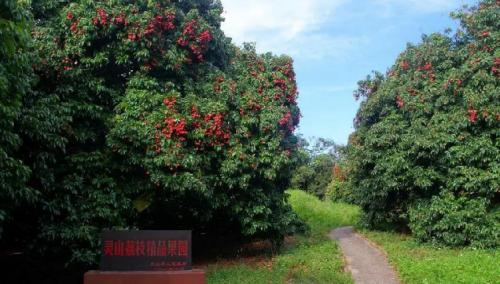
(322, 216)
(313, 259)
(316, 259)
(418, 263)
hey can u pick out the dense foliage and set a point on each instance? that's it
(425, 153)
(142, 114)
(14, 78)
(315, 175)
(316, 160)
(340, 189)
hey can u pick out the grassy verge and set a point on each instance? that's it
(312, 259)
(418, 263)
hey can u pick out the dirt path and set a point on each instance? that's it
(367, 263)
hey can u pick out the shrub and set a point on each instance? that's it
(455, 221)
(315, 175)
(339, 191)
(427, 132)
(315, 160)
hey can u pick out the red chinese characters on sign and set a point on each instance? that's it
(150, 248)
(108, 248)
(119, 248)
(130, 248)
(146, 250)
(162, 248)
(183, 248)
(172, 247)
(140, 249)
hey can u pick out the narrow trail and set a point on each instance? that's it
(367, 263)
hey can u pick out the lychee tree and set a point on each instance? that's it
(424, 155)
(225, 140)
(144, 115)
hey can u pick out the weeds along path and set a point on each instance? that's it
(367, 264)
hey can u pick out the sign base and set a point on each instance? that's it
(145, 277)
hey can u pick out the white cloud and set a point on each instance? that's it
(300, 27)
(422, 6)
(287, 18)
(285, 26)
(311, 45)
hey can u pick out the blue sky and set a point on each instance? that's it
(335, 43)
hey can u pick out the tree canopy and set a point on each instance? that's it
(425, 151)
